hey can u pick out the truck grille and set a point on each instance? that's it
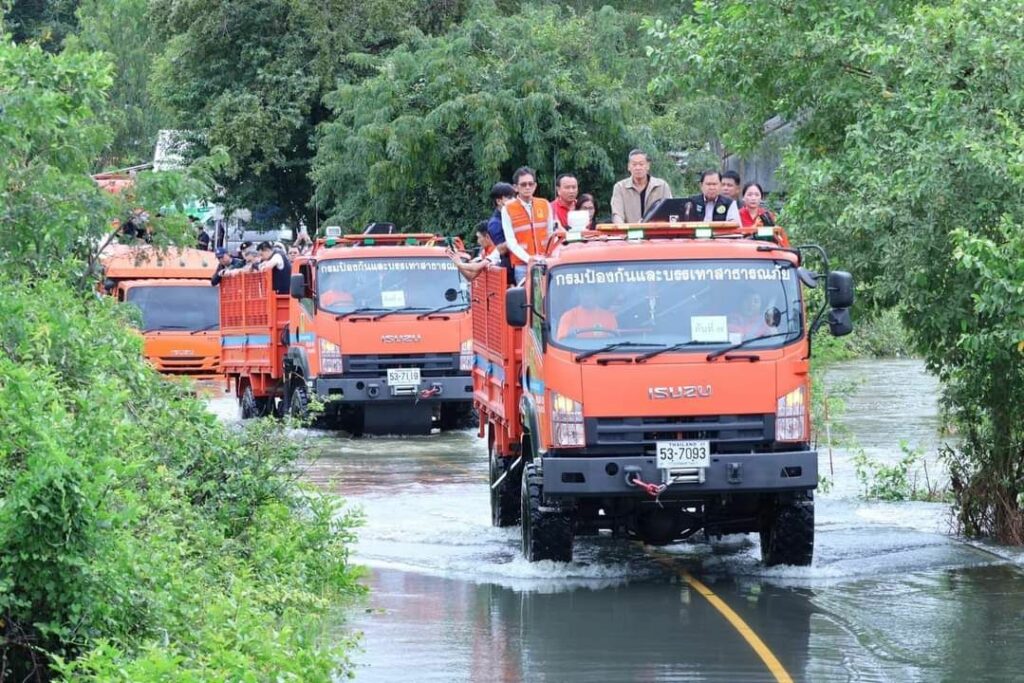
(727, 433)
(430, 364)
(187, 365)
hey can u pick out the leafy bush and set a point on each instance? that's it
(142, 539)
(899, 481)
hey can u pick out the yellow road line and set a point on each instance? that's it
(736, 621)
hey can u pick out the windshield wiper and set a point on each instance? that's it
(403, 309)
(609, 347)
(368, 309)
(739, 345)
(438, 310)
(675, 347)
(161, 328)
(206, 328)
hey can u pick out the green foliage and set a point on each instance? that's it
(907, 158)
(899, 481)
(46, 22)
(53, 217)
(250, 76)
(422, 141)
(121, 30)
(141, 536)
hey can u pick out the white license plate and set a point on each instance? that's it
(403, 377)
(673, 454)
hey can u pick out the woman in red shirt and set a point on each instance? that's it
(752, 213)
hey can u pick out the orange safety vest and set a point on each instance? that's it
(531, 235)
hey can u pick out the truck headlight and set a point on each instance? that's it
(791, 416)
(330, 358)
(466, 356)
(566, 422)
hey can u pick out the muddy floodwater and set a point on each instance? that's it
(891, 595)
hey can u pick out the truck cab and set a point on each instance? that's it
(377, 328)
(662, 388)
(177, 305)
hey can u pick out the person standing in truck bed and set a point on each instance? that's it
(632, 196)
(275, 259)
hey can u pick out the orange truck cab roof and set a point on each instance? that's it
(649, 378)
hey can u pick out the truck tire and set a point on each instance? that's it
(547, 531)
(505, 499)
(298, 402)
(787, 533)
(254, 407)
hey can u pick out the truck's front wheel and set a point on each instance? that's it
(505, 497)
(298, 402)
(547, 531)
(787, 533)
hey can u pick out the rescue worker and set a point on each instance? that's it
(731, 187)
(489, 255)
(711, 204)
(588, 320)
(566, 189)
(225, 262)
(526, 221)
(274, 258)
(750, 320)
(632, 196)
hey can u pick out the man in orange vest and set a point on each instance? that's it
(527, 221)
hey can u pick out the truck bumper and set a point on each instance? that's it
(376, 389)
(746, 473)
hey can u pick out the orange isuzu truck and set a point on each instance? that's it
(171, 288)
(376, 327)
(653, 380)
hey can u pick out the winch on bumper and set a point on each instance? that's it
(747, 473)
(376, 389)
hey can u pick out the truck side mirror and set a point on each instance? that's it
(839, 322)
(298, 286)
(840, 289)
(515, 307)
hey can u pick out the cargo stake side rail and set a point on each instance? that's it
(496, 358)
(252, 320)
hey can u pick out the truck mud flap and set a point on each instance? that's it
(399, 418)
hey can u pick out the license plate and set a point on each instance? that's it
(402, 377)
(672, 454)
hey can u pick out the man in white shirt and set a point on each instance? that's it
(526, 221)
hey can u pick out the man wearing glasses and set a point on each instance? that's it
(527, 221)
(632, 196)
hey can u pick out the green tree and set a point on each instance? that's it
(422, 141)
(121, 30)
(907, 164)
(250, 76)
(46, 22)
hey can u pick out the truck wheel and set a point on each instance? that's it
(547, 531)
(505, 499)
(254, 407)
(298, 404)
(787, 534)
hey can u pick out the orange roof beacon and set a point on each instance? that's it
(172, 290)
(377, 327)
(675, 399)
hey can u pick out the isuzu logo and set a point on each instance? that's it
(689, 391)
(401, 338)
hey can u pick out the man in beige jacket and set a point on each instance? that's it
(633, 196)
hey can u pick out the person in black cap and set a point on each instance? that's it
(225, 262)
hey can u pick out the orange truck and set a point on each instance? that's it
(179, 308)
(653, 380)
(376, 327)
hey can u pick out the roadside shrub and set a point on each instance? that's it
(142, 539)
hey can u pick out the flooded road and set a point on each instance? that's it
(891, 596)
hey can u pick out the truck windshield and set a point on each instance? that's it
(703, 304)
(177, 308)
(417, 284)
